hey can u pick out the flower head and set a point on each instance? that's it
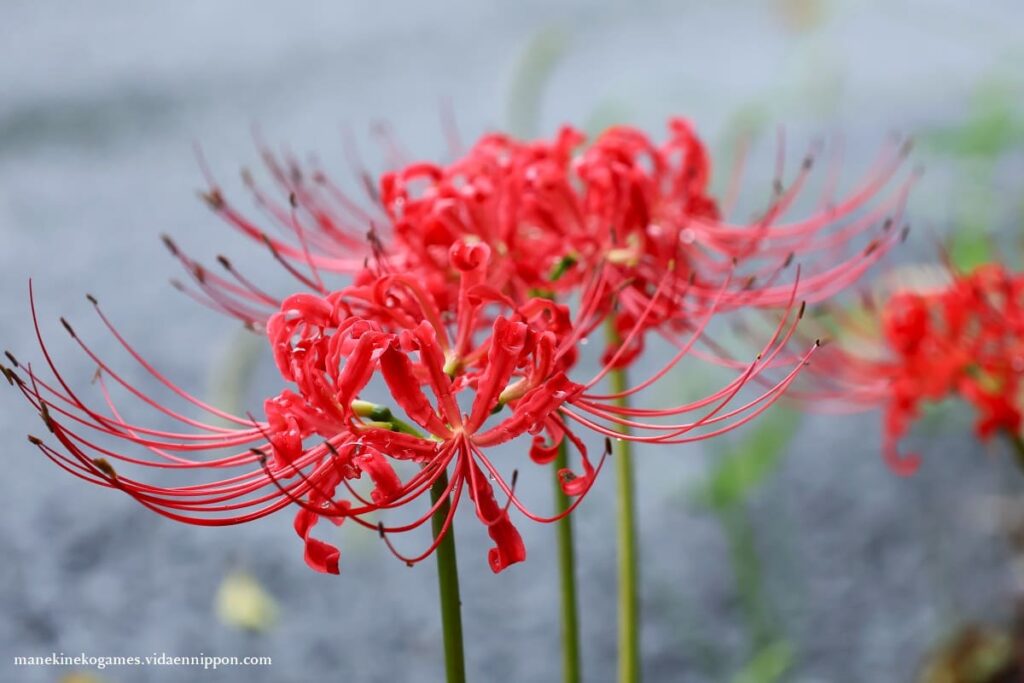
(453, 388)
(557, 211)
(961, 338)
(452, 335)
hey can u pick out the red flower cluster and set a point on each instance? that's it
(456, 317)
(963, 339)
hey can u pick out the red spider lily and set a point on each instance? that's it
(964, 338)
(512, 359)
(553, 213)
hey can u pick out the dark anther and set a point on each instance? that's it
(904, 233)
(887, 225)
(214, 198)
(44, 412)
(871, 248)
(177, 285)
(247, 177)
(789, 259)
(607, 446)
(368, 184)
(777, 186)
(293, 200)
(259, 454)
(808, 162)
(91, 299)
(803, 307)
(223, 261)
(380, 529)
(515, 478)
(200, 273)
(10, 357)
(13, 377)
(67, 326)
(106, 467)
(270, 245)
(35, 440)
(169, 243)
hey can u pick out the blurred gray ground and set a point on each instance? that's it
(100, 104)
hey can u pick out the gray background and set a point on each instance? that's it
(99, 107)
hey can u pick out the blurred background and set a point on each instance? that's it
(785, 553)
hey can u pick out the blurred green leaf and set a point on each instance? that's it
(609, 112)
(995, 126)
(969, 249)
(739, 472)
(536, 65)
(768, 666)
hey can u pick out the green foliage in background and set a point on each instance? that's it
(770, 664)
(741, 469)
(536, 65)
(738, 472)
(994, 127)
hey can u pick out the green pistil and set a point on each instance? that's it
(563, 265)
(381, 417)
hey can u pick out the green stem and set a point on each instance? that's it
(1018, 448)
(567, 576)
(629, 605)
(448, 585)
(447, 565)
